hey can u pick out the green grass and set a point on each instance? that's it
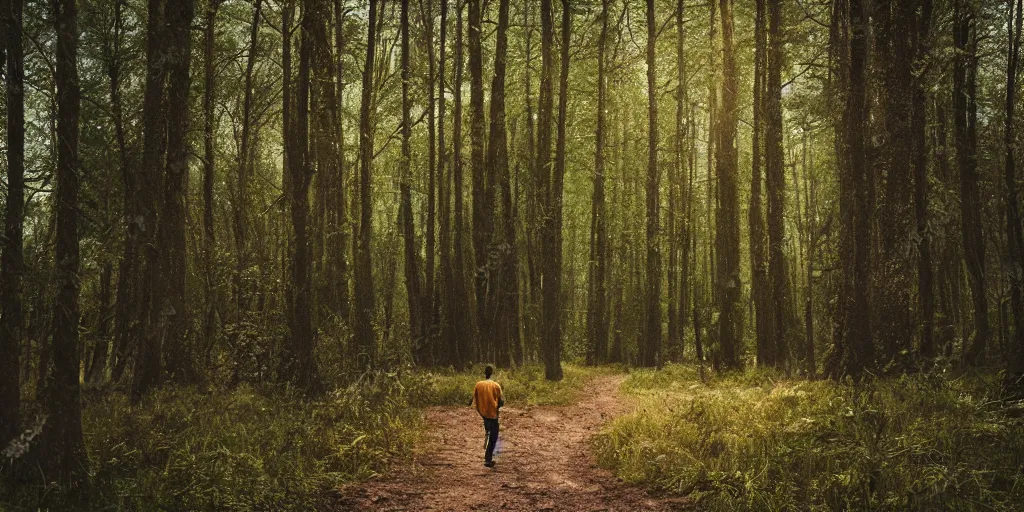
(240, 449)
(760, 441)
(522, 387)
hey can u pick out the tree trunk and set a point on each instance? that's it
(502, 314)
(925, 291)
(241, 202)
(775, 184)
(147, 361)
(406, 224)
(550, 347)
(173, 313)
(12, 260)
(597, 314)
(650, 354)
(727, 235)
(209, 161)
(965, 117)
(64, 458)
(365, 337)
(759, 288)
(1014, 238)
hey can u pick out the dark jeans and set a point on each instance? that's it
(490, 437)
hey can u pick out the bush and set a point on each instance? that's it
(759, 441)
(244, 449)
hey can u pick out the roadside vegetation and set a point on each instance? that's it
(757, 440)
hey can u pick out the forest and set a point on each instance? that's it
(724, 254)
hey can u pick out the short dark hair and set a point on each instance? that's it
(488, 371)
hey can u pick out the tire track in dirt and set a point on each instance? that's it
(545, 464)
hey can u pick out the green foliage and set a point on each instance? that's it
(523, 386)
(244, 449)
(760, 441)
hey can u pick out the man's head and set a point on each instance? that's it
(488, 371)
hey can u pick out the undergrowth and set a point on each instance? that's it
(759, 441)
(242, 449)
(523, 386)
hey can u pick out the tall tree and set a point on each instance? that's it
(854, 346)
(778, 280)
(727, 235)
(550, 345)
(406, 223)
(483, 193)
(209, 167)
(64, 459)
(315, 86)
(597, 306)
(12, 260)
(925, 290)
(965, 119)
(466, 325)
(366, 341)
(503, 281)
(1014, 238)
(244, 166)
(683, 136)
(154, 142)
(173, 315)
(650, 354)
(759, 288)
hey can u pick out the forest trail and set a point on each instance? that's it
(545, 464)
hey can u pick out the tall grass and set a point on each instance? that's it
(241, 449)
(759, 441)
(524, 386)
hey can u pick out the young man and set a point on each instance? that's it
(487, 397)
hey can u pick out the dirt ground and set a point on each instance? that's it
(545, 463)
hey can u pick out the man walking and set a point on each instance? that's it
(487, 397)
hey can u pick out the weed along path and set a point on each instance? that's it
(545, 463)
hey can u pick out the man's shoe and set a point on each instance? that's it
(489, 463)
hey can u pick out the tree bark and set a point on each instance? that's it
(1014, 237)
(365, 301)
(759, 287)
(64, 458)
(12, 259)
(728, 230)
(597, 314)
(650, 355)
(965, 117)
(925, 291)
(775, 184)
(406, 224)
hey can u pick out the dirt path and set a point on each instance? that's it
(545, 463)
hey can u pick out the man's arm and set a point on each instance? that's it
(472, 399)
(501, 398)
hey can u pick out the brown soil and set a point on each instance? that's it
(545, 464)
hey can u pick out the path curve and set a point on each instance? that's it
(545, 464)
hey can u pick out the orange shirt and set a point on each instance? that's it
(486, 395)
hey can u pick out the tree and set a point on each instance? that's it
(12, 260)
(778, 276)
(650, 355)
(854, 346)
(727, 235)
(173, 312)
(64, 459)
(406, 225)
(209, 167)
(148, 359)
(597, 306)
(551, 342)
(921, 198)
(965, 118)
(502, 314)
(365, 337)
(1014, 238)
(244, 167)
(759, 287)
(483, 193)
